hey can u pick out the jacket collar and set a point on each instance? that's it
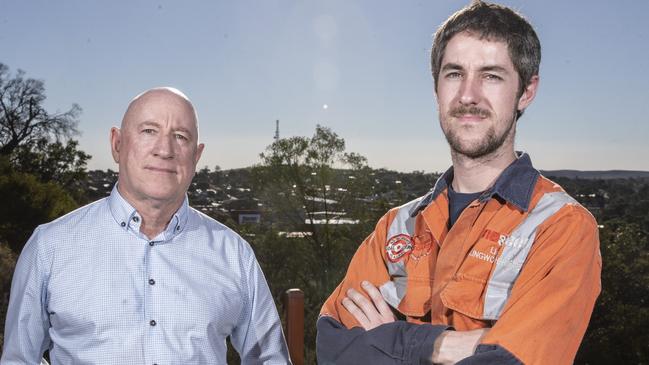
(515, 185)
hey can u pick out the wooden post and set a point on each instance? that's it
(293, 300)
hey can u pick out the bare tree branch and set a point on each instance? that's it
(23, 118)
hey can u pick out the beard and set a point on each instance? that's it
(490, 142)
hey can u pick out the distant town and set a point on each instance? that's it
(229, 195)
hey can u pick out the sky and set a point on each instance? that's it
(359, 67)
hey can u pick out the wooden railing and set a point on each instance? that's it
(293, 302)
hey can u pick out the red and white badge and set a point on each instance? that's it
(397, 246)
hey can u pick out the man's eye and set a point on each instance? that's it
(148, 131)
(453, 75)
(181, 137)
(492, 77)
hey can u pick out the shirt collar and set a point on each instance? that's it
(128, 218)
(515, 184)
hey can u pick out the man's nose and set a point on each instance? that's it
(470, 91)
(164, 146)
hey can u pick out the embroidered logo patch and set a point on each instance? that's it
(422, 245)
(397, 246)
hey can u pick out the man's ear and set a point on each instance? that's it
(199, 153)
(115, 142)
(528, 93)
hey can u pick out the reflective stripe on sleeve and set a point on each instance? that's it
(394, 290)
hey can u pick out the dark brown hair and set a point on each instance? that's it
(496, 23)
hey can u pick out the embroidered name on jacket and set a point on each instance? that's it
(491, 254)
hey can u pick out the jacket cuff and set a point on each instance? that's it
(423, 351)
(491, 355)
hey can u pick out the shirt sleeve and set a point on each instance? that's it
(398, 342)
(26, 328)
(549, 309)
(258, 336)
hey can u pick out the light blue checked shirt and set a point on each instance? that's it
(93, 290)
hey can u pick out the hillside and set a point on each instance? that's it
(603, 175)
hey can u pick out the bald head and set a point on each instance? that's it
(161, 95)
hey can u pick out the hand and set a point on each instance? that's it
(368, 314)
(453, 346)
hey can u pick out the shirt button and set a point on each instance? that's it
(151, 243)
(123, 224)
(136, 219)
(151, 281)
(152, 322)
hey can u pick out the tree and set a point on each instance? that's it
(617, 333)
(56, 162)
(318, 209)
(28, 203)
(23, 118)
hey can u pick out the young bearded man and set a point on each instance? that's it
(497, 264)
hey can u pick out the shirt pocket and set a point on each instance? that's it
(466, 290)
(416, 302)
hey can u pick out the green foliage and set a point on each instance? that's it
(304, 245)
(7, 264)
(56, 162)
(618, 332)
(29, 203)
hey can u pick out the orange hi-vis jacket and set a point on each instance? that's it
(522, 259)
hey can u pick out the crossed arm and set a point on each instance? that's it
(449, 347)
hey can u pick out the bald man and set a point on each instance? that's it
(139, 277)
